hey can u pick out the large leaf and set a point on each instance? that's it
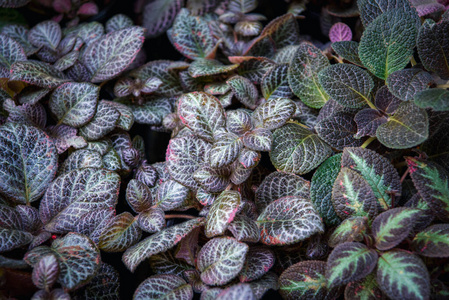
(349, 262)
(45, 34)
(222, 212)
(77, 255)
(404, 84)
(202, 113)
(120, 234)
(402, 275)
(158, 242)
(37, 73)
(259, 261)
(273, 114)
(370, 10)
(303, 75)
(347, 84)
(387, 43)
(408, 127)
(288, 220)
(28, 162)
(20, 34)
(282, 31)
(164, 287)
(275, 83)
(159, 15)
(74, 104)
(71, 196)
(225, 150)
(111, 54)
(13, 238)
(10, 52)
(220, 260)
(297, 150)
(432, 241)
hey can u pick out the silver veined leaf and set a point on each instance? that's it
(212, 180)
(158, 242)
(254, 68)
(82, 158)
(432, 241)
(274, 113)
(37, 73)
(74, 104)
(32, 94)
(282, 31)
(347, 84)
(112, 161)
(108, 56)
(238, 121)
(248, 28)
(244, 90)
(340, 32)
(285, 54)
(288, 220)
(239, 174)
(45, 272)
(249, 158)
(205, 198)
(297, 150)
(303, 75)
(94, 222)
(225, 150)
(368, 120)
(10, 52)
(370, 10)
(406, 83)
(11, 239)
(146, 173)
(164, 286)
(402, 275)
(28, 114)
(126, 118)
(13, 3)
(30, 217)
(259, 261)
(45, 34)
(217, 88)
(209, 67)
(348, 50)
(118, 22)
(159, 15)
(171, 195)
(244, 229)
(259, 139)
(167, 263)
(202, 113)
(66, 61)
(261, 286)
(211, 293)
(28, 162)
(151, 220)
(408, 127)
(103, 122)
(220, 260)
(386, 46)
(222, 213)
(275, 83)
(70, 196)
(151, 112)
(243, 6)
(436, 99)
(20, 34)
(105, 284)
(121, 233)
(239, 291)
(65, 137)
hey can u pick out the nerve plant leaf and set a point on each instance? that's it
(348, 50)
(297, 150)
(209, 67)
(340, 32)
(405, 84)
(436, 99)
(28, 160)
(78, 258)
(121, 233)
(282, 31)
(386, 46)
(103, 122)
(432, 241)
(368, 120)
(212, 180)
(13, 3)
(10, 52)
(402, 275)
(350, 230)
(220, 260)
(37, 73)
(151, 220)
(106, 283)
(237, 291)
(259, 139)
(225, 150)
(222, 213)
(288, 220)
(82, 158)
(111, 54)
(45, 272)
(171, 195)
(303, 75)
(164, 286)
(273, 114)
(158, 242)
(366, 288)
(152, 112)
(349, 262)
(275, 83)
(244, 91)
(45, 34)
(370, 10)
(244, 229)
(259, 261)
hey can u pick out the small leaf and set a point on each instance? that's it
(118, 22)
(238, 121)
(152, 112)
(11, 239)
(282, 31)
(164, 287)
(348, 50)
(340, 32)
(254, 68)
(138, 196)
(243, 6)
(244, 91)
(239, 174)
(121, 233)
(273, 114)
(32, 94)
(275, 83)
(103, 122)
(126, 118)
(151, 220)
(81, 159)
(222, 213)
(386, 102)
(225, 150)
(350, 230)
(37, 73)
(259, 261)
(106, 283)
(45, 272)
(432, 241)
(402, 275)
(368, 120)
(259, 139)
(171, 195)
(45, 34)
(209, 67)
(10, 52)
(220, 260)
(211, 179)
(405, 84)
(436, 99)
(159, 15)
(249, 158)
(244, 229)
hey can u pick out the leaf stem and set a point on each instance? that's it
(413, 61)
(405, 175)
(368, 141)
(443, 86)
(370, 104)
(180, 217)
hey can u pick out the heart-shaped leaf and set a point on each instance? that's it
(37, 73)
(275, 83)
(432, 241)
(225, 150)
(273, 114)
(222, 212)
(259, 261)
(45, 34)
(405, 84)
(45, 272)
(244, 229)
(121, 233)
(164, 286)
(138, 196)
(350, 230)
(249, 158)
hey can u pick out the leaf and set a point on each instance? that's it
(45, 34)
(288, 220)
(74, 104)
(45, 272)
(350, 230)
(78, 258)
(368, 120)
(244, 229)
(152, 112)
(66, 61)
(65, 137)
(212, 180)
(222, 213)
(171, 195)
(406, 83)
(167, 263)
(261, 286)
(259, 139)
(380, 174)
(436, 99)
(105, 284)
(254, 68)
(37, 73)
(159, 15)
(297, 150)
(238, 121)
(282, 31)
(364, 289)
(353, 196)
(348, 50)
(340, 32)
(386, 101)
(112, 53)
(209, 67)
(121, 233)
(259, 260)
(220, 260)
(273, 114)
(370, 10)
(386, 46)
(81, 159)
(11, 239)
(32, 94)
(20, 34)
(239, 174)
(275, 83)
(103, 122)
(237, 291)
(184, 156)
(408, 127)
(10, 52)
(13, 3)
(402, 275)
(28, 161)
(248, 28)
(191, 35)
(432, 47)
(202, 113)
(225, 150)
(432, 241)
(347, 84)
(349, 262)
(338, 130)
(126, 118)
(94, 222)
(243, 6)
(164, 287)
(151, 220)
(244, 91)
(158, 242)
(249, 158)
(303, 75)
(118, 22)
(321, 189)
(28, 114)
(71, 196)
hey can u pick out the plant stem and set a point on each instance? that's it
(179, 216)
(368, 141)
(405, 175)
(413, 61)
(443, 86)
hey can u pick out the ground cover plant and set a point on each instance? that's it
(298, 166)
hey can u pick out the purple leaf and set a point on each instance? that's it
(340, 32)
(88, 9)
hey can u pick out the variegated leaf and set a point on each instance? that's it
(94, 222)
(212, 180)
(244, 229)
(350, 230)
(405, 83)
(82, 158)
(45, 272)
(238, 121)
(151, 220)
(259, 261)
(45, 34)
(225, 150)
(254, 68)
(275, 83)
(103, 122)
(171, 195)
(222, 213)
(340, 32)
(367, 288)
(32, 94)
(244, 91)
(368, 120)
(37, 73)
(209, 67)
(152, 112)
(126, 118)
(12, 238)
(249, 158)
(239, 173)
(274, 113)
(348, 50)
(20, 34)
(432, 241)
(259, 139)
(10, 52)
(118, 22)
(121, 233)
(240, 291)
(164, 287)
(282, 31)
(268, 282)
(28, 114)
(105, 284)
(167, 263)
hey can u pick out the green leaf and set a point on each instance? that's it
(408, 127)
(282, 31)
(349, 262)
(222, 213)
(225, 150)
(371, 9)
(171, 195)
(436, 99)
(391, 227)
(288, 220)
(45, 34)
(220, 260)
(45, 272)
(254, 68)
(348, 50)
(259, 261)
(273, 114)
(209, 67)
(73, 195)
(37, 73)
(120, 234)
(275, 83)
(159, 15)
(432, 241)
(244, 229)
(347, 84)
(350, 230)
(297, 150)
(387, 43)
(402, 275)
(112, 53)
(10, 52)
(303, 75)
(28, 162)
(103, 122)
(406, 83)
(244, 91)
(164, 287)
(285, 54)
(158, 242)
(366, 289)
(321, 189)
(377, 171)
